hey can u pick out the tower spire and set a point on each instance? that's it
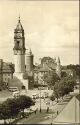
(19, 18)
(19, 25)
(58, 60)
(58, 67)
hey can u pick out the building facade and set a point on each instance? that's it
(29, 60)
(48, 66)
(6, 72)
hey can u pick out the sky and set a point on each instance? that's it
(51, 29)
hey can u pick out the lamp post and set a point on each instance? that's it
(40, 100)
(52, 114)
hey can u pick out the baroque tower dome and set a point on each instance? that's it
(19, 25)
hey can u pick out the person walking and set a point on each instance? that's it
(57, 112)
(35, 112)
(47, 109)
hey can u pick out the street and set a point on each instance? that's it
(45, 117)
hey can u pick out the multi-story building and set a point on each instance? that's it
(6, 72)
(47, 66)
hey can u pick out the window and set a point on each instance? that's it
(17, 43)
(23, 87)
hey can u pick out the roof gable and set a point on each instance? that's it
(70, 114)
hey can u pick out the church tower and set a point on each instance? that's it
(58, 67)
(19, 49)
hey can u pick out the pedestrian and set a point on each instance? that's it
(57, 112)
(47, 109)
(35, 111)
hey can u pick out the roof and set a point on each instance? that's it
(70, 114)
(15, 82)
(19, 25)
(53, 66)
(47, 59)
(43, 69)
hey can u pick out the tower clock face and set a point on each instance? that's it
(18, 35)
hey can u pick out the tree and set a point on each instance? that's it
(56, 90)
(63, 74)
(52, 97)
(75, 68)
(24, 102)
(64, 86)
(8, 109)
(50, 78)
(11, 107)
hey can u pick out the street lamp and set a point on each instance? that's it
(40, 99)
(52, 114)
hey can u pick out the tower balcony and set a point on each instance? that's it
(18, 50)
(18, 37)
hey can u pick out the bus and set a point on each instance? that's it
(13, 89)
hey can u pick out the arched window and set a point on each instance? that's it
(17, 43)
(23, 87)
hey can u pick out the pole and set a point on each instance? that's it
(40, 100)
(79, 100)
(75, 110)
(52, 114)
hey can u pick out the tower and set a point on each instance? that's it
(29, 60)
(19, 48)
(58, 67)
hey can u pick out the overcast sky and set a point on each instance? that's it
(51, 29)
